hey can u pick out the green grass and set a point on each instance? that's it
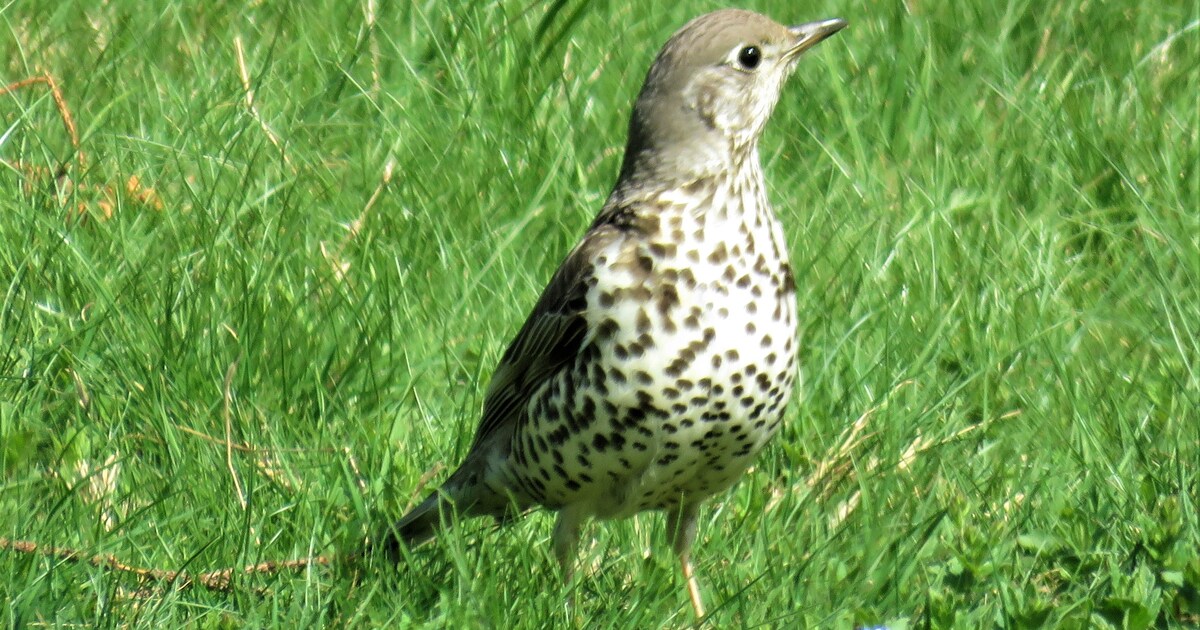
(994, 215)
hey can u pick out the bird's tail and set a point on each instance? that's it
(420, 524)
(463, 496)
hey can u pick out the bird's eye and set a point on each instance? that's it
(749, 57)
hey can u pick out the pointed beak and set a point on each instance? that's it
(812, 33)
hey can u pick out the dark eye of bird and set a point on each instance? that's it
(749, 57)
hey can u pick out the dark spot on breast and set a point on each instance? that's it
(586, 412)
(699, 188)
(643, 321)
(607, 329)
(647, 223)
(662, 250)
(558, 437)
(719, 254)
(715, 416)
(788, 285)
(668, 299)
(616, 375)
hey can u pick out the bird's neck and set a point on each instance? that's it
(653, 171)
(731, 196)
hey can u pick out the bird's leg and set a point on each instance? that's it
(693, 587)
(566, 545)
(566, 540)
(681, 525)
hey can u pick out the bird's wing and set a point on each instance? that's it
(551, 337)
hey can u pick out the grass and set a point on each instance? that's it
(239, 356)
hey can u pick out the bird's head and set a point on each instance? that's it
(711, 89)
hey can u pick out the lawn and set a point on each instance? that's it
(253, 288)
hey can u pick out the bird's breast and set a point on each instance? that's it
(693, 332)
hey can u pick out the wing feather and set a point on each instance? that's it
(548, 341)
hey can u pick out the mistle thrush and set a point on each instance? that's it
(659, 360)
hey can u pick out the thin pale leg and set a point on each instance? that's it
(566, 540)
(566, 547)
(681, 525)
(693, 586)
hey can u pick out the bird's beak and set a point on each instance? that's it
(811, 34)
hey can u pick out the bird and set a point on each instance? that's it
(659, 359)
